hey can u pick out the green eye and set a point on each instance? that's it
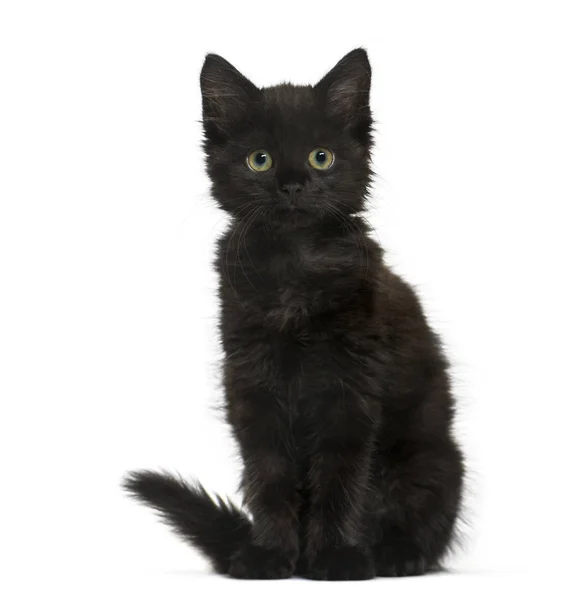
(259, 160)
(321, 159)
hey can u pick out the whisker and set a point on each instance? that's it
(352, 227)
(248, 223)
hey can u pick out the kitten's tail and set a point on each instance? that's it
(216, 528)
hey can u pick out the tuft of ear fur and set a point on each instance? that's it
(226, 94)
(345, 89)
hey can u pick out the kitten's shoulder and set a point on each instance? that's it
(396, 293)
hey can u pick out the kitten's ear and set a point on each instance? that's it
(346, 87)
(226, 94)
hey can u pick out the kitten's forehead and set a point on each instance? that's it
(288, 103)
(288, 97)
(292, 113)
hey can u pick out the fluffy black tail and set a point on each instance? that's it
(215, 527)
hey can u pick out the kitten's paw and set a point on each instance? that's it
(254, 562)
(341, 564)
(390, 562)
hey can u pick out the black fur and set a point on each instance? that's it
(336, 388)
(218, 528)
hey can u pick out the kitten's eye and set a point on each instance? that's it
(321, 159)
(259, 160)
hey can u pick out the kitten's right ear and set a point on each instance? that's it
(226, 94)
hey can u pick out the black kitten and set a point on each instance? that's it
(336, 388)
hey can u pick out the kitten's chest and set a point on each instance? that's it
(283, 283)
(270, 267)
(284, 309)
(279, 280)
(294, 364)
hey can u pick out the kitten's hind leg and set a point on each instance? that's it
(421, 492)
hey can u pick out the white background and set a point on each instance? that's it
(108, 349)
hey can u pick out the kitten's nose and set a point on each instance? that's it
(291, 189)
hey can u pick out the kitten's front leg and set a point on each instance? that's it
(338, 480)
(270, 485)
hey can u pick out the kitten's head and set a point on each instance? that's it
(292, 154)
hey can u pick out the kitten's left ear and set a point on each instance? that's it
(346, 87)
